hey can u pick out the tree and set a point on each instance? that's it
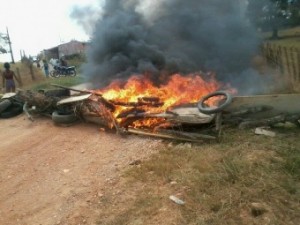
(273, 14)
(3, 41)
(295, 12)
(4, 38)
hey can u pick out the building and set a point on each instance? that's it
(70, 48)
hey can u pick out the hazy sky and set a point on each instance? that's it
(35, 25)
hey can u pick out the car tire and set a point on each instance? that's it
(207, 110)
(63, 118)
(4, 104)
(13, 110)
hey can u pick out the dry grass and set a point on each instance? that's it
(287, 37)
(246, 179)
(288, 57)
(40, 81)
(25, 75)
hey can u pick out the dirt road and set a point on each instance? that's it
(55, 175)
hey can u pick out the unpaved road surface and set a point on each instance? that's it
(55, 175)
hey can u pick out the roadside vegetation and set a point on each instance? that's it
(287, 37)
(25, 75)
(282, 56)
(64, 81)
(38, 80)
(245, 179)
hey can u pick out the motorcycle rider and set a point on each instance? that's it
(63, 62)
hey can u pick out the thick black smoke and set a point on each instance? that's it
(168, 36)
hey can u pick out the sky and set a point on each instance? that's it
(35, 25)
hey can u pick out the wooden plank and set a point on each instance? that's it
(76, 90)
(74, 99)
(168, 136)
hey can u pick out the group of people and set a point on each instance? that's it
(58, 62)
(53, 62)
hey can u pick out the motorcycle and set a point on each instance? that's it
(63, 71)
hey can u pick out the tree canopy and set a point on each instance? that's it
(274, 14)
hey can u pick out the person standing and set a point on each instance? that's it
(8, 77)
(46, 67)
(63, 62)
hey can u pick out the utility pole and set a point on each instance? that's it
(10, 48)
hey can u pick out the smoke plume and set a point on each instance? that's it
(169, 36)
(86, 17)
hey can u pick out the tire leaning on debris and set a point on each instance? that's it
(63, 118)
(207, 110)
(13, 110)
(4, 104)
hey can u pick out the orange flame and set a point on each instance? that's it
(178, 90)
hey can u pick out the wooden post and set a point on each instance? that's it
(293, 65)
(273, 56)
(21, 55)
(31, 71)
(269, 60)
(263, 50)
(281, 60)
(19, 77)
(298, 61)
(288, 64)
(276, 58)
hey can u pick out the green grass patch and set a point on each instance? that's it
(291, 154)
(64, 81)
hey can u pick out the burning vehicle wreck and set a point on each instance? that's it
(184, 109)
